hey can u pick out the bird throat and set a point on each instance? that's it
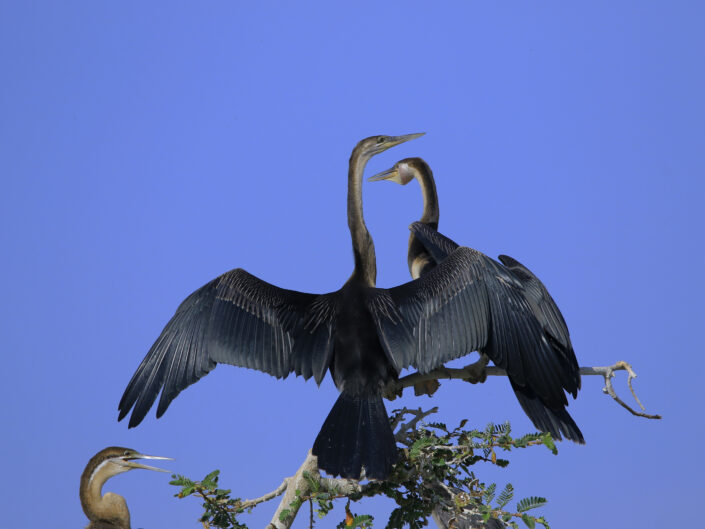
(111, 507)
(363, 246)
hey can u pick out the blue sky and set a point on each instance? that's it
(145, 149)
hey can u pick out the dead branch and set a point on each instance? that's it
(246, 504)
(607, 373)
(405, 428)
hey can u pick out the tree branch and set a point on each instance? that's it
(308, 474)
(246, 504)
(301, 482)
(607, 373)
(294, 483)
(479, 371)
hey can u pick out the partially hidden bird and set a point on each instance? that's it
(109, 510)
(515, 322)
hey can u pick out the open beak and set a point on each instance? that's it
(133, 464)
(389, 174)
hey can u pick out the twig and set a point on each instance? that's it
(405, 428)
(607, 373)
(246, 504)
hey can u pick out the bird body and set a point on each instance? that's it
(514, 321)
(109, 510)
(241, 320)
(362, 334)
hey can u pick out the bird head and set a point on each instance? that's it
(373, 145)
(118, 460)
(402, 172)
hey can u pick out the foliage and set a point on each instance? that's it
(435, 469)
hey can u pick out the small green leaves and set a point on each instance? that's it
(505, 496)
(362, 521)
(531, 502)
(528, 520)
(548, 441)
(420, 444)
(436, 467)
(489, 493)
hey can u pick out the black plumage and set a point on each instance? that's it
(241, 320)
(502, 310)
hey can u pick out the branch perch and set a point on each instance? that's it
(479, 371)
(301, 482)
(474, 373)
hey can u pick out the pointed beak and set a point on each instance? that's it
(384, 175)
(397, 140)
(134, 464)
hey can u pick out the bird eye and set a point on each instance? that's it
(127, 453)
(381, 139)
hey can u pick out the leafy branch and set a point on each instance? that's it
(434, 477)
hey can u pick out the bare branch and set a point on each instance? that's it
(246, 504)
(405, 428)
(607, 373)
(297, 481)
(479, 371)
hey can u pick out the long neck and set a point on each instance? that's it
(431, 212)
(110, 508)
(363, 247)
(419, 260)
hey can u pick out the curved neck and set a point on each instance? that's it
(431, 211)
(419, 260)
(112, 507)
(363, 246)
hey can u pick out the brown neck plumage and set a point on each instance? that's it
(418, 259)
(363, 246)
(109, 509)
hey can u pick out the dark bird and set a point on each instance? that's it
(241, 320)
(515, 322)
(109, 510)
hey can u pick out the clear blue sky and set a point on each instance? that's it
(147, 148)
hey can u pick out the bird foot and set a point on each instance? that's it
(427, 387)
(476, 372)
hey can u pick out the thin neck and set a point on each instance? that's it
(363, 246)
(431, 212)
(98, 507)
(419, 260)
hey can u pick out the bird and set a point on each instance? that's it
(517, 323)
(241, 320)
(109, 510)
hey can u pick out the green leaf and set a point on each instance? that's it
(531, 503)
(419, 445)
(528, 520)
(548, 441)
(490, 493)
(543, 522)
(505, 496)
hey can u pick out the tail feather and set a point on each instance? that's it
(356, 435)
(556, 421)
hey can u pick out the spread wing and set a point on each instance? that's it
(235, 319)
(469, 302)
(545, 310)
